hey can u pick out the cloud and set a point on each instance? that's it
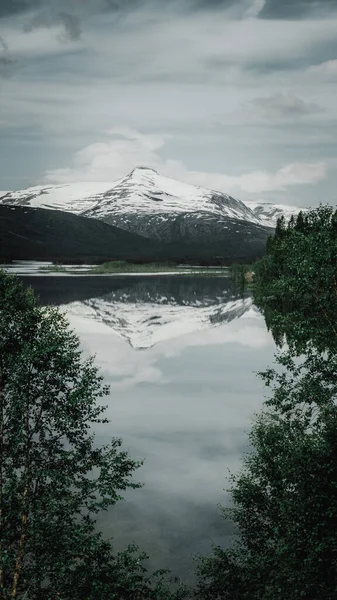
(13, 7)
(6, 60)
(10, 8)
(295, 9)
(69, 22)
(292, 174)
(110, 160)
(255, 8)
(165, 37)
(285, 105)
(185, 67)
(128, 148)
(326, 71)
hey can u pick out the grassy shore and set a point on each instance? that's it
(54, 269)
(123, 267)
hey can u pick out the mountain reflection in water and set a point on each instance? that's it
(146, 310)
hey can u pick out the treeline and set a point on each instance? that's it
(296, 281)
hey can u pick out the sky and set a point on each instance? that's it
(233, 95)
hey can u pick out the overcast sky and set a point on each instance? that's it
(236, 95)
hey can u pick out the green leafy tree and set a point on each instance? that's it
(295, 284)
(53, 478)
(285, 498)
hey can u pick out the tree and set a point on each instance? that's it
(296, 281)
(300, 224)
(291, 223)
(280, 228)
(269, 243)
(53, 478)
(285, 498)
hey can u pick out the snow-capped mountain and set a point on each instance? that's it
(268, 213)
(198, 223)
(144, 192)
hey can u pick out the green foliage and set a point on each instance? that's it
(280, 228)
(240, 274)
(121, 266)
(295, 284)
(284, 501)
(53, 478)
(53, 268)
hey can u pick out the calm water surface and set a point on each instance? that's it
(179, 354)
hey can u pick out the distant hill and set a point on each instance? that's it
(39, 234)
(43, 234)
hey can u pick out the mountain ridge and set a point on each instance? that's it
(185, 222)
(144, 186)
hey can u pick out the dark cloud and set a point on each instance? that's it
(285, 105)
(68, 13)
(296, 9)
(6, 60)
(16, 7)
(12, 7)
(273, 9)
(70, 22)
(71, 25)
(213, 4)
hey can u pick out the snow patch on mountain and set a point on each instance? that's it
(73, 197)
(145, 192)
(268, 213)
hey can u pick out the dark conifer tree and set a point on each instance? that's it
(299, 225)
(291, 223)
(280, 227)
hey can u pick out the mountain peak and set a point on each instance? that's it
(144, 201)
(141, 170)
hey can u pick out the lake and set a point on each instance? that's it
(179, 353)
